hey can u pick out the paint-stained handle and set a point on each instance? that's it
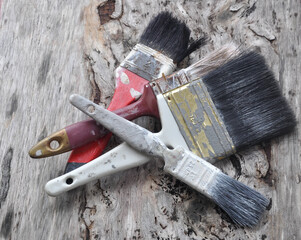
(129, 87)
(124, 157)
(111, 162)
(190, 169)
(146, 105)
(84, 132)
(68, 138)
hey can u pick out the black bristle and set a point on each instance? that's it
(193, 46)
(249, 100)
(170, 36)
(244, 205)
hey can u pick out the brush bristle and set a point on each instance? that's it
(244, 205)
(212, 61)
(170, 36)
(249, 100)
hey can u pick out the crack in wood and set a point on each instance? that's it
(215, 235)
(262, 31)
(43, 134)
(270, 205)
(96, 93)
(106, 197)
(87, 235)
(86, 232)
(174, 217)
(13, 105)
(6, 226)
(179, 190)
(189, 231)
(5, 172)
(44, 69)
(269, 177)
(248, 10)
(162, 226)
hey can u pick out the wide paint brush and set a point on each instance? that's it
(163, 44)
(81, 133)
(237, 105)
(244, 205)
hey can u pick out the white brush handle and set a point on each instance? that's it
(190, 169)
(118, 159)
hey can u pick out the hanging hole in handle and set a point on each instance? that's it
(54, 144)
(91, 109)
(69, 181)
(170, 147)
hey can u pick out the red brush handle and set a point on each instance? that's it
(128, 85)
(84, 132)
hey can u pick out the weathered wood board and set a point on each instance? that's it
(50, 49)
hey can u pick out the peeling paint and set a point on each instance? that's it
(135, 94)
(124, 78)
(39, 152)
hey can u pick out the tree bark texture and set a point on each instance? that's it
(51, 49)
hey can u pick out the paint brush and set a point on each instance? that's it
(81, 133)
(244, 205)
(163, 44)
(237, 105)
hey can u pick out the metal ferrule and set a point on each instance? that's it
(205, 65)
(148, 63)
(199, 121)
(191, 169)
(165, 84)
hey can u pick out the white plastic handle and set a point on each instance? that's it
(118, 159)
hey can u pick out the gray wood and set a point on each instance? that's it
(50, 49)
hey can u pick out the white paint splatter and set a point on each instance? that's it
(93, 132)
(135, 94)
(39, 152)
(124, 78)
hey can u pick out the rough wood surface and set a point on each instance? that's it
(50, 49)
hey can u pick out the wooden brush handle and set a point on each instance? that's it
(81, 133)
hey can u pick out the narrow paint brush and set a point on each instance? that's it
(244, 205)
(163, 43)
(237, 105)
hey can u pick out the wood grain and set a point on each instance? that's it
(49, 50)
